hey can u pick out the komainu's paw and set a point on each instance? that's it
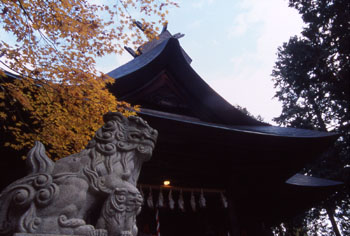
(98, 232)
(126, 233)
(84, 230)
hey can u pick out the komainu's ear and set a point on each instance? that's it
(37, 160)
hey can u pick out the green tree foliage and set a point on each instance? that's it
(312, 72)
(245, 111)
(312, 78)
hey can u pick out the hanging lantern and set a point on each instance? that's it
(224, 200)
(181, 202)
(150, 199)
(160, 199)
(193, 202)
(171, 200)
(202, 202)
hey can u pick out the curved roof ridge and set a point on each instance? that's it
(138, 62)
(168, 56)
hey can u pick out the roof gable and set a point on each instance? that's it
(182, 86)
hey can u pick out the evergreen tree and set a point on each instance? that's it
(312, 78)
(312, 72)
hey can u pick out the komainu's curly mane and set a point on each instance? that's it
(119, 140)
(57, 198)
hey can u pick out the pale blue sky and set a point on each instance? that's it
(233, 46)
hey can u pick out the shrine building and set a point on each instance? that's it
(209, 149)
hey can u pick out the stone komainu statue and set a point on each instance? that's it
(89, 193)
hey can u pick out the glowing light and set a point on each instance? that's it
(166, 182)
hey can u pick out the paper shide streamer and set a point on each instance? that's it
(161, 202)
(150, 199)
(143, 196)
(193, 202)
(160, 199)
(171, 200)
(202, 201)
(181, 202)
(224, 200)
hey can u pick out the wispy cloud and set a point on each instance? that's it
(250, 84)
(240, 26)
(194, 24)
(202, 3)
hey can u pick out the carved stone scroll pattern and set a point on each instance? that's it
(57, 198)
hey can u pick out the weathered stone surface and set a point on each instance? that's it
(89, 193)
(28, 234)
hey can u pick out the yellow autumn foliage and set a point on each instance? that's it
(59, 97)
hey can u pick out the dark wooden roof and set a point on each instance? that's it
(253, 129)
(162, 79)
(310, 181)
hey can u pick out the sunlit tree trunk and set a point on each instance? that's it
(330, 212)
